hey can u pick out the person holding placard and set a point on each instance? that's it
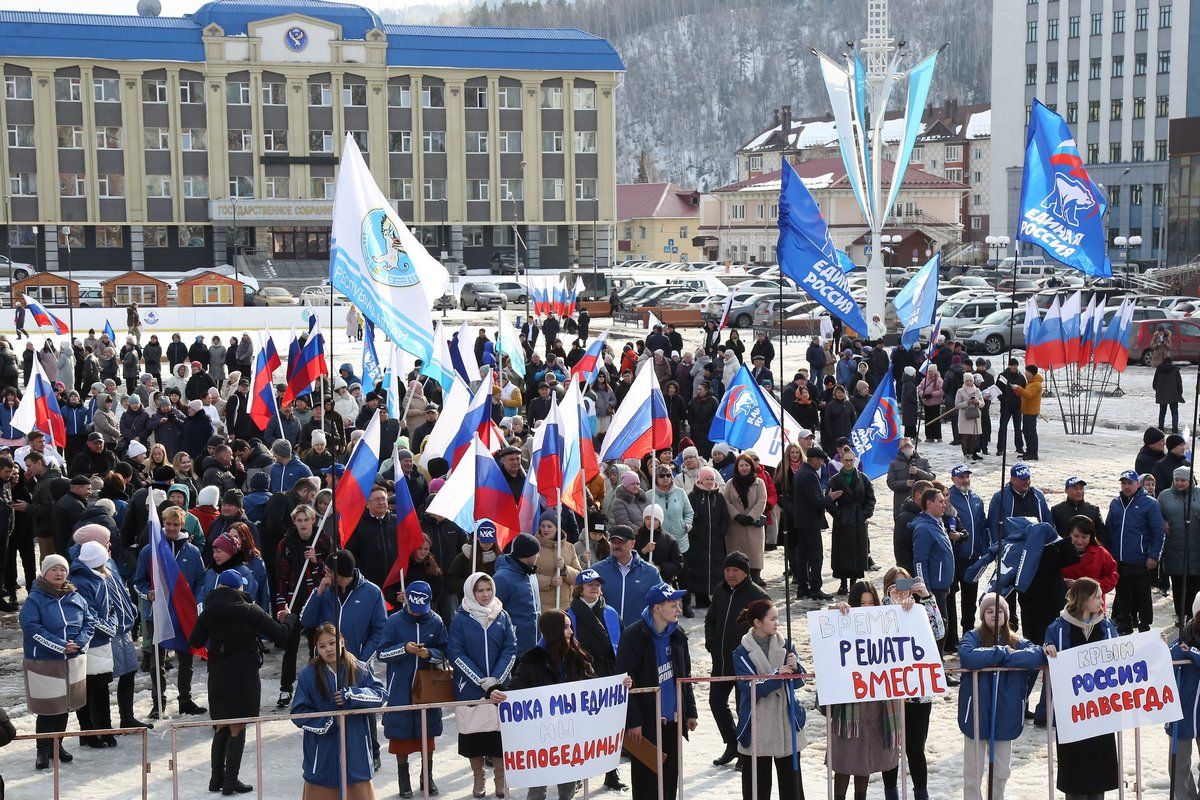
(1000, 706)
(1088, 768)
(864, 737)
(778, 714)
(1187, 649)
(933, 552)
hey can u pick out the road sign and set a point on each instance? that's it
(867, 251)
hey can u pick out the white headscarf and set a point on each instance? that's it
(484, 615)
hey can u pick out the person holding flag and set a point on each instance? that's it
(409, 539)
(263, 405)
(43, 317)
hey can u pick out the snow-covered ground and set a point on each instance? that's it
(114, 774)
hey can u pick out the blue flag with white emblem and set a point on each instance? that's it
(742, 414)
(876, 435)
(807, 255)
(916, 304)
(1062, 210)
(372, 371)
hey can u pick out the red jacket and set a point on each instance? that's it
(1096, 563)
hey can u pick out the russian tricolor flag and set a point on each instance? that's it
(355, 485)
(476, 490)
(477, 421)
(587, 366)
(44, 318)
(1052, 340)
(408, 529)
(262, 392)
(1090, 330)
(640, 425)
(174, 605)
(39, 410)
(579, 463)
(1072, 333)
(551, 456)
(304, 367)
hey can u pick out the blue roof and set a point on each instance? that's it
(106, 36)
(553, 49)
(235, 15)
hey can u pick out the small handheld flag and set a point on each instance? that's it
(876, 434)
(44, 318)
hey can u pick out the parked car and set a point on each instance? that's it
(481, 296)
(741, 314)
(454, 267)
(20, 271)
(446, 302)
(513, 291)
(990, 335)
(506, 264)
(684, 300)
(1185, 339)
(969, 282)
(1169, 303)
(316, 296)
(766, 314)
(276, 296)
(91, 298)
(959, 312)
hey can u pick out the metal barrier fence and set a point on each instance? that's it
(60, 735)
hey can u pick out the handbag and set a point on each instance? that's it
(971, 412)
(434, 685)
(483, 718)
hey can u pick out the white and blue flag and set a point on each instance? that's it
(743, 413)
(916, 304)
(371, 369)
(876, 434)
(378, 263)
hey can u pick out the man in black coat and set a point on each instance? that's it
(657, 340)
(237, 413)
(701, 411)
(509, 459)
(1153, 447)
(1076, 506)
(675, 338)
(722, 635)
(1010, 406)
(902, 535)
(95, 459)
(373, 542)
(809, 504)
(550, 329)
(585, 322)
(1164, 468)
(66, 511)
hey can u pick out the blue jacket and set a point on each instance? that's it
(262, 588)
(1024, 543)
(362, 615)
(626, 594)
(95, 590)
(208, 582)
(322, 746)
(520, 598)
(1059, 635)
(254, 504)
(845, 371)
(477, 654)
(77, 420)
(971, 520)
(933, 555)
(1006, 692)
(402, 667)
(284, 476)
(1187, 676)
(187, 556)
(7, 431)
(742, 665)
(1031, 504)
(1135, 531)
(612, 625)
(118, 594)
(48, 623)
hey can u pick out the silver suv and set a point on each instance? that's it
(480, 296)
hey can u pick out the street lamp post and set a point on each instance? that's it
(893, 240)
(237, 250)
(37, 254)
(70, 306)
(8, 245)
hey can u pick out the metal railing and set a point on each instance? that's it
(58, 736)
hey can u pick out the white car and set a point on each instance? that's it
(319, 296)
(19, 270)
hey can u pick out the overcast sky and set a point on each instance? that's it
(175, 8)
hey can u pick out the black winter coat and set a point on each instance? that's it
(836, 422)
(902, 535)
(593, 637)
(1066, 510)
(635, 655)
(373, 544)
(230, 626)
(533, 668)
(1167, 384)
(1164, 469)
(63, 515)
(705, 558)
(722, 631)
(666, 556)
(809, 502)
(1146, 458)
(176, 354)
(851, 548)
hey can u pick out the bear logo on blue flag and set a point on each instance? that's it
(883, 427)
(385, 254)
(740, 402)
(1068, 197)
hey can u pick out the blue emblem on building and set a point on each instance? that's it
(296, 39)
(384, 252)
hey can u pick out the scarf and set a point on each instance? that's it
(1084, 625)
(44, 585)
(847, 721)
(484, 615)
(847, 476)
(742, 484)
(663, 665)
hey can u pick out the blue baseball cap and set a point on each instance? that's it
(1021, 471)
(960, 469)
(336, 468)
(419, 595)
(485, 531)
(662, 593)
(231, 578)
(1075, 480)
(587, 576)
(1130, 475)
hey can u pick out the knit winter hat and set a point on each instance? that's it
(93, 554)
(739, 560)
(1174, 440)
(92, 533)
(231, 578)
(226, 544)
(524, 546)
(52, 560)
(1153, 436)
(993, 599)
(630, 480)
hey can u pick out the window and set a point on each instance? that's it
(321, 94)
(1072, 112)
(1114, 197)
(1164, 15)
(477, 141)
(125, 294)
(1115, 109)
(1160, 149)
(400, 188)
(18, 87)
(512, 189)
(755, 163)
(1135, 194)
(158, 186)
(219, 295)
(1031, 30)
(399, 141)
(320, 141)
(1139, 151)
(237, 93)
(152, 236)
(1162, 106)
(584, 99)
(1052, 30)
(549, 236)
(433, 141)
(760, 211)
(194, 139)
(22, 184)
(154, 91)
(1030, 74)
(1118, 22)
(191, 92)
(1142, 19)
(585, 188)
(954, 174)
(1118, 66)
(239, 140)
(434, 189)
(1139, 64)
(478, 189)
(552, 97)
(1139, 108)
(1164, 61)
(552, 141)
(360, 139)
(106, 90)
(510, 97)
(1097, 24)
(109, 138)
(1093, 153)
(1093, 111)
(585, 141)
(110, 185)
(20, 136)
(1073, 69)
(155, 138)
(1114, 152)
(976, 223)
(953, 152)
(195, 187)
(1073, 27)
(320, 188)
(109, 236)
(277, 186)
(66, 90)
(433, 96)
(1052, 72)
(552, 188)
(510, 141)
(737, 211)
(241, 186)
(354, 94)
(475, 97)
(1156, 193)
(399, 96)
(275, 140)
(1094, 69)
(275, 94)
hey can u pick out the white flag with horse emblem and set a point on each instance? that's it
(378, 263)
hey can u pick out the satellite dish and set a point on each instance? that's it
(149, 8)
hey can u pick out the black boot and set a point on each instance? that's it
(233, 763)
(402, 775)
(756, 576)
(433, 789)
(729, 755)
(612, 780)
(220, 744)
(125, 703)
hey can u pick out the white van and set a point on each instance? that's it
(1028, 268)
(966, 310)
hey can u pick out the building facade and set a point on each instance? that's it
(157, 143)
(1117, 72)
(657, 222)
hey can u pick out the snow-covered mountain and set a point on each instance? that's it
(704, 75)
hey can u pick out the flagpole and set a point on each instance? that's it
(783, 465)
(558, 546)
(316, 535)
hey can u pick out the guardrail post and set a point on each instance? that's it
(903, 751)
(425, 771)
(174, 761)
(1120, 766)
(753, 765)
(975, 739)
(679, 733)
(658, 739)
(258, 757)
(1137, 762)
(145, 764)
(341, 723)
(828, 751)
(1049, 733)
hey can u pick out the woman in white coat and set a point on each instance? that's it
(969, 402)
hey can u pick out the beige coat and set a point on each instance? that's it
(747, 538)
(546, 570)
(964, 397)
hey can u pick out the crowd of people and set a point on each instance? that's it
(689, 527)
